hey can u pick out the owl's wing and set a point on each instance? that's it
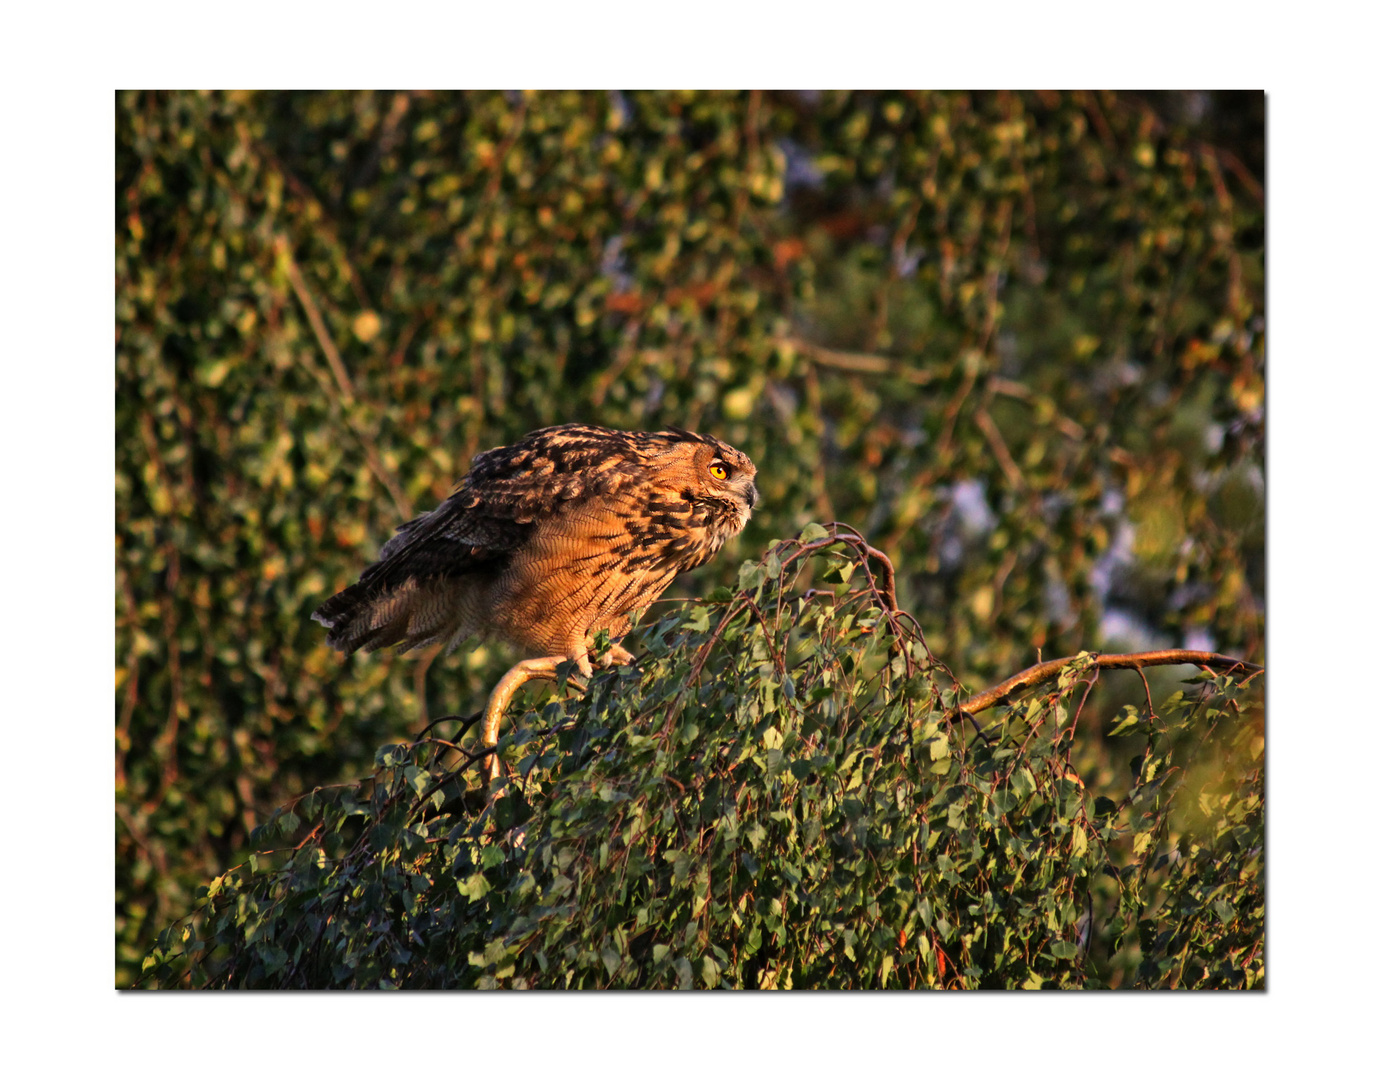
(430, 581)
(417, 591)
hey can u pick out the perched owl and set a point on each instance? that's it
(549, 540)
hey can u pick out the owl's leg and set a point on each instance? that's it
(543, 667)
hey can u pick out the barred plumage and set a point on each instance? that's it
(549, 540)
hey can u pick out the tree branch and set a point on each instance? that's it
(1042, 673)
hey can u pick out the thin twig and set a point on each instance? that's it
(999, 449)
(500, 158)
(1148, 698)
(466, 722)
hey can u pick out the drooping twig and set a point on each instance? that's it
(318, 324)
(1049, 669)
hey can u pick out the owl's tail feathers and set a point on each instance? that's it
(410, 614)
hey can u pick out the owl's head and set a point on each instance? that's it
(721, 479)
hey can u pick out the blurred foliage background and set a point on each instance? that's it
(1016, 339)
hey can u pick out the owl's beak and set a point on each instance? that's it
(752, 496)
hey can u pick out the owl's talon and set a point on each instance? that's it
(616, 656)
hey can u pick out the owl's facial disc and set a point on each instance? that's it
(733, 473)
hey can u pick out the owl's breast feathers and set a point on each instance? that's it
(548, 540)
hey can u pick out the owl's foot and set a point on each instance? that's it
(616, 657)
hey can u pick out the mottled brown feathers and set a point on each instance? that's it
(549, 540)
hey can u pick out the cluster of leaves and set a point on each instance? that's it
(779, 796)
(1015, 337)
(1207, 924)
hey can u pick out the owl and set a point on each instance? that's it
(546, 542)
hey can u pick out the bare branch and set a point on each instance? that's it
(858, 363)
(1049, 669)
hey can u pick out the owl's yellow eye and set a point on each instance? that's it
(718, 472)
